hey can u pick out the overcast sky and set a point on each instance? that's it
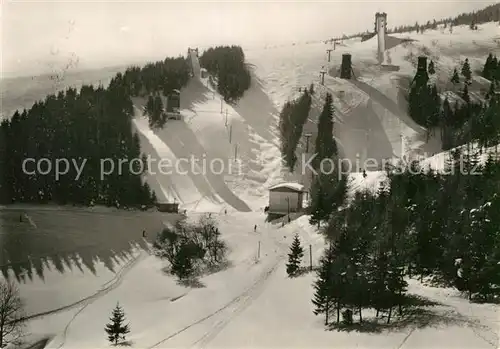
(40, 36)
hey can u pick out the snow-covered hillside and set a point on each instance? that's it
(253, 304)
(371, 118)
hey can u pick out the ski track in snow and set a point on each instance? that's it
(240, 303)
(108, 287)
(245, 296)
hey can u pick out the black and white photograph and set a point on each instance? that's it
(249, 174)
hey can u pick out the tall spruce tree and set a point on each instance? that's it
(294, 257)
(322, 299)
(320, 206)
(489, 68)
(325, 147)
(466, 71)
(116, 329)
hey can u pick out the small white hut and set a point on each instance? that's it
(285, 198)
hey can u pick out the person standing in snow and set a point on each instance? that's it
(143, 233)
(255, 228)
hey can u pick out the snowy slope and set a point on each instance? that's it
(254, 305)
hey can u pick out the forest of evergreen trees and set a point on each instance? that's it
(464, 120)
(93, 125)
(419, 223)
(292, 118)
(227, 65)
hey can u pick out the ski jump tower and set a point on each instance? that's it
(381, 25)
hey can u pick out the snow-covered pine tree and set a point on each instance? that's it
(116, 329)
(294, 257)
(431, 68)
(323, 285)
(466, 72)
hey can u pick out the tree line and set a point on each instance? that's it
(419, 223)
(227, 65)
(292, 118)
(463, 120)
(157, 77)
(85, 127)
(155, 80)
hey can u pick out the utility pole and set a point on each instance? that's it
(310, 258)
(258, 251)
(235, 152)
(329, 51)
(221, 105)
(226, 117)
(307, 135)
(230, 132)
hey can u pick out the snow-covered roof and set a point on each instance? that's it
(289, 185)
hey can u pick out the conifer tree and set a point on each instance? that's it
(323, 286)
(495, 67)
(489, 68)
(431, 68)
(325, 147)
(116, 329)
(466, 72)
(465, 94)
(294, 257)
(320, 205)
(455, 79)
(150, 106)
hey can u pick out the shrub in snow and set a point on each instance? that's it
(191, 247)
(347, 317)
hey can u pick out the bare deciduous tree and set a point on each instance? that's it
(11, 306)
